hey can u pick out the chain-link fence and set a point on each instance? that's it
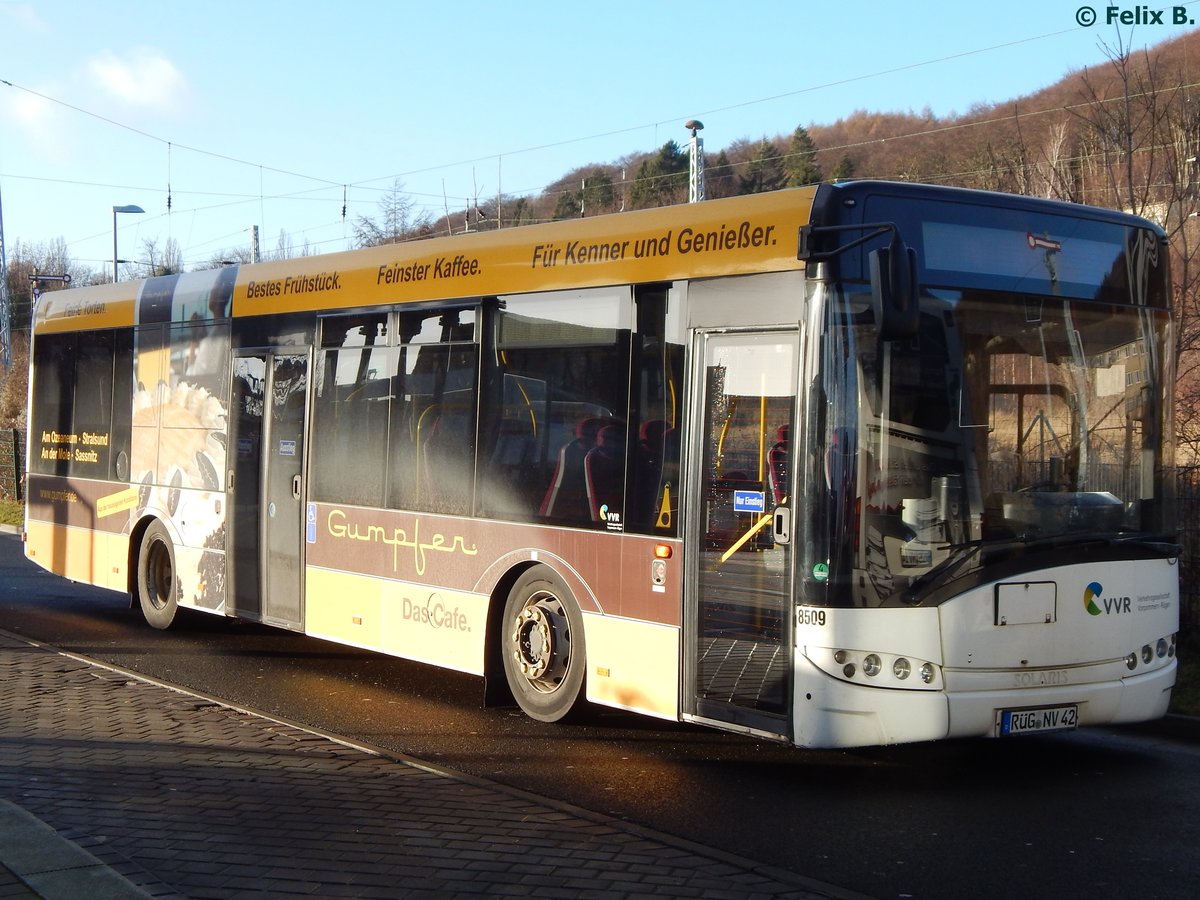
(1187, 480)
(12, 463)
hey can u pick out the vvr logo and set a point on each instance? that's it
(1110, 605)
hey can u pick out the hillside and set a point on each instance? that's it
(1009, 145)
(1123, 133)
(1060, 141)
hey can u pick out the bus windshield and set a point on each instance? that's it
(1010, 423)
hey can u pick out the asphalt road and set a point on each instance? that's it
(1094, 813)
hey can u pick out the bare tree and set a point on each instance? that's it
(51, 258)
(168, 261)
(1056, 170)
(14, 385)
(1140, 138)
(398, 220)
(1126, 120)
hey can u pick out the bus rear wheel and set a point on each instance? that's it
(156, 584)
(542, 646)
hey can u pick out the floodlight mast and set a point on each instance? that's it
(696, 161)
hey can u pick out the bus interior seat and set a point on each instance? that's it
(651, 462)
(567, 495)
(447, 456)
(605, 469)
(651, 449)
(777, 458)
(513, 470)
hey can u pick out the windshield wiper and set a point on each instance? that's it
(1161, 543)
(1155, 542)
(961, 553)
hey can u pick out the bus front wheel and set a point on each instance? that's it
(156, 584)
(542, 645)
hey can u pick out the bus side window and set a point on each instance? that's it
(355, 374)
(560, 373)
(434, 469)
(53, 399)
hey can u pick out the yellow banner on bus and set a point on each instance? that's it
(88, 309)
(740, 235)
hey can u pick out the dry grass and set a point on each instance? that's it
(1185, 699)
(11, 513)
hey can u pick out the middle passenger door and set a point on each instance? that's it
(738, 598)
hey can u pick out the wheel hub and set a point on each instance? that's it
(534, 642)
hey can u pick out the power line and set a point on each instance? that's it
(367, 184)
(161, 140)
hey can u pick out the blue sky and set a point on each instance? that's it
(268, 113)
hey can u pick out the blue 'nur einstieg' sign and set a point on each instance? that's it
(749, 501)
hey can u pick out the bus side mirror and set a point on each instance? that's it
(894, 291)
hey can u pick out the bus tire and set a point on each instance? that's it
(543, 646)
(157, 587)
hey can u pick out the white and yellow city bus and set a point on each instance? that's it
(848, 465)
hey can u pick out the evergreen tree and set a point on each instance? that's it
(662, 179)
(844, 170)
(765, 170)
(519, 212)
(597, 194)
(567, 206)
(719, 180)
(801, 164)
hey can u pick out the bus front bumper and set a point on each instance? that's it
(834, 713)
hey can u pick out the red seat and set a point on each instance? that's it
(605, 467)
(779, 464)
(567, 496)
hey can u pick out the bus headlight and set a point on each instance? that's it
(1155, 654)
(876, 668)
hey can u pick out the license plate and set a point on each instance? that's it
(1031, 721)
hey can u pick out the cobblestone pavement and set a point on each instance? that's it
(114, 786)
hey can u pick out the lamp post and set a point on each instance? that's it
(129, 208)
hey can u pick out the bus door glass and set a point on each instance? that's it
(270, 399)
(739, 600)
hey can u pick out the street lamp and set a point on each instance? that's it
(130, 208)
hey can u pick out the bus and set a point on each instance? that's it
(848, 465)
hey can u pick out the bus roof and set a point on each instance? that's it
(738, 235)
(847, 194)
